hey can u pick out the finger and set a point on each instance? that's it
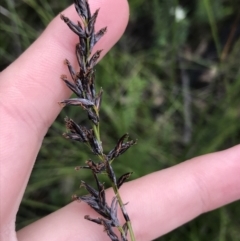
(31, 88)
(158, 203)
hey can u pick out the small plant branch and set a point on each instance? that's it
(83, 86)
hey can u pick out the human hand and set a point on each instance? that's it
(158, 203)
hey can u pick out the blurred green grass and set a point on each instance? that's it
(172, 82)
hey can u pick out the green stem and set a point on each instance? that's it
(122, 208)
(96, 132)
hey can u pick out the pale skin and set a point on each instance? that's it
(29, 91)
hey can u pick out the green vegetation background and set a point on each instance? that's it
(172, 82)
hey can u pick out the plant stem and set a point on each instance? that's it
(121, 204)
(96, 132)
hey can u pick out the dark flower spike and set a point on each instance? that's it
(84, 103)
(83, 44)
(71, 125)
(75, 28)
(76, 129)
(101, 199)
(71, 69)
(108, 229)
(92, 62)
(91, 23)
(95, 220)
(120, 148)
(98, 36)
(98, 99)
(88, 81)
(82, 9)
(88, 94)
(80, 53)
(96, 167)
(90, 189)
(95, 145)
(123, 178)
(94, 204)
(73, 136)
(114, 218)
(79, 83)
(115, 152)
(72, 87)
(93, 116)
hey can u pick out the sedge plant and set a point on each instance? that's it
(88, 99)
